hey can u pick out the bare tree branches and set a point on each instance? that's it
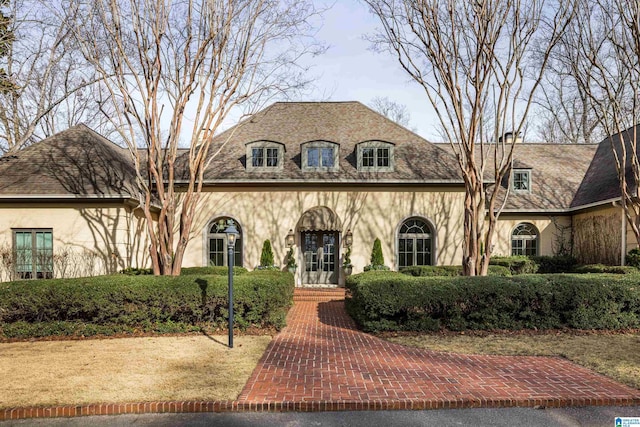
(175, 70)
(392, 110)
(479, 63)
(52, 88)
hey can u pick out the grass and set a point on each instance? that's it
(126, 370)
(614, 355)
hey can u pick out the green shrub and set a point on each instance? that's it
(633, 258)
(213, 270)
(148, 303)
(377, 258)
(516, 264)
(266, 257)
(388, 301)
(449, 270)
(601, 268)
(132, 271)
(554, 264)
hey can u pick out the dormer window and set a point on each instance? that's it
(522, 180)
(320, 156)
(375, 156)
(265, 156)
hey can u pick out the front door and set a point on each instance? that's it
(320, 250)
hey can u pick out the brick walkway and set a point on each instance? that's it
(320, 361)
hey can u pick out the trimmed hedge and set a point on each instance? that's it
(448, 270)
(515, 264)
(121, 303)
(610, 269)
(185, 271)
(389, 301)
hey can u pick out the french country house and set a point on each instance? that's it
(315, 174)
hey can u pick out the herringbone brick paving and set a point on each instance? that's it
(321, 357)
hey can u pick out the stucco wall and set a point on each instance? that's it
(88, 238)
(553, 230)
(597, 236)
(271, 213)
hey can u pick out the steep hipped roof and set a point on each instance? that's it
(344, 123)
(76, 162)
(556, 173)
(600, 181)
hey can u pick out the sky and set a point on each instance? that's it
(351, 71)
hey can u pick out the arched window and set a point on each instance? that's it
(524, 240)
(217, 239)
(415, 243)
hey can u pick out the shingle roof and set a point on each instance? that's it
(76, 162)
(556, 173)
(600, 181)
(345, 123)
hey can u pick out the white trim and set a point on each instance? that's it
(205, 237)
(537, 238)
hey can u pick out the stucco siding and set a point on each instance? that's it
(554, 233)
(88, 238)
(271, 213)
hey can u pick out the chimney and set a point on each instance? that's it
(508, 138)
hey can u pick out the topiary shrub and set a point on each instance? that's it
(555, 264)
(266, 257)
(633, 258)
(377, 258)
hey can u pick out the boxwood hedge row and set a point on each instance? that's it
(388, 301)
(121, 303)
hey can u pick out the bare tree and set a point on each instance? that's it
(392, 110)
(613, 65)
(176, 69)
(479, 63)
(6, 38)
(51, 86)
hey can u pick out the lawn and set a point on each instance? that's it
(126, 369)
(616, 355)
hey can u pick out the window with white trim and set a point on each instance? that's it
(522, 180)
(265, 156)
(217, 243)
(320, 156)
(33, 253)
(375, 156)
(524, 240)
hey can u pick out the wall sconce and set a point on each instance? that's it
(290, 240)
(348, 239)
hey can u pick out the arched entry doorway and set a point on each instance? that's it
(319, 230)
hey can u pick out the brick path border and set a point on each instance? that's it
(301, 406)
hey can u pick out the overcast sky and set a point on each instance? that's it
(351, 71)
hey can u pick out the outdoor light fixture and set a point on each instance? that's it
(232, 235)
(290, 240)
(348, 239)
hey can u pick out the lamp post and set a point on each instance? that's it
(290, 240)
(232, 234)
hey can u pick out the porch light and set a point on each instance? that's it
(290, 240)
(348, 239)
(232, 235)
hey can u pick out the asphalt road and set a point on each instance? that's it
(521, 417)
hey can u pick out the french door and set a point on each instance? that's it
(320, 250)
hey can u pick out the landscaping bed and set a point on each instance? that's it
(389, 301)
(124, 304)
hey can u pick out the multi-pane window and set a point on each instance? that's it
(522, 181)
(415, 243)
(375, 156)
(217, 237)
(33, 254)
(524, 240)
(264, 157)
(320, 157)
